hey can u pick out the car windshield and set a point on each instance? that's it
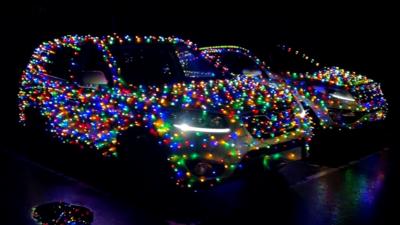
(195, 66)
(238, 63)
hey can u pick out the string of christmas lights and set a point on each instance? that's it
(299, 53)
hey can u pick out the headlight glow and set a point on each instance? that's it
(186, 127)
(343, 97)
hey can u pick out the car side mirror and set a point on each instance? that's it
(92, 79)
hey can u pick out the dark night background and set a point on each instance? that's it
(360, 37)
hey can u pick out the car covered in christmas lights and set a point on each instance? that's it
(106, 92)
(334, 97)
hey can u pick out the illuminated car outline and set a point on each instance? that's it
(343, 84)
(101, 113)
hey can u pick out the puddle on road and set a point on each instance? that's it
(62, 213)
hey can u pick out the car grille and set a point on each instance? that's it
(266, 127)
(345, 116)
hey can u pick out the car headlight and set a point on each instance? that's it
(186, 127)
(197, 121)
(342, 95)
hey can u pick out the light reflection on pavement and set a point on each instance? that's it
(349, 195)
(27, 185)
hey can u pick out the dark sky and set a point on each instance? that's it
(358, 37)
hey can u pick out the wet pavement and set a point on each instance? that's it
(339, 188)
(354, 194)
(348, 195)
(26, 184)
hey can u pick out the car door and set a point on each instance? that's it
(95, 116)
(76, 97)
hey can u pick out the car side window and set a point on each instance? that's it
(146, 63)
(90, 67)
(60, 64)
(85, 66)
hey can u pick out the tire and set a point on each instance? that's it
(33, 133)
(140, 151)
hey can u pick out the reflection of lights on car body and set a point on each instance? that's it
(303, 113)
(337, 98)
